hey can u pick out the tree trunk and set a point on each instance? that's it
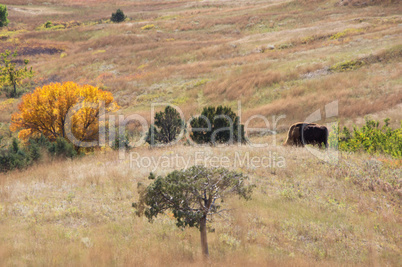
(15, 91)
(203, 231)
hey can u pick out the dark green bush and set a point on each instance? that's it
(168, 126)
(118, 16)
(48, 24)
(3, 16)
(35, 152)
(62, 148)
(13, 157)
(219, 118)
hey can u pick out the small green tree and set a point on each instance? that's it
(3, 16)
(13, 158)
(193, 195)
(169, 125)
(48, 24)
(62, 148)
(12, 75)
(118, 16)
(217, 125)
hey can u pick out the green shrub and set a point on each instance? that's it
(62, 148)
(168, 126)
(223, 122)
(373, 139)
(347, 65)
(35, 152)
(48, 24)
(118, 16)
(3, 16)
(13, 157)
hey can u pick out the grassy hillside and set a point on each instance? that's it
(304, 213)
(277, 57)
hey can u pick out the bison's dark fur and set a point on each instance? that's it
(303, 133)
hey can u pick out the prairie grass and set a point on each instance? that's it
(222, 43)
(306, 213)
(274, 56)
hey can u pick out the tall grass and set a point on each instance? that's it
(308, 213)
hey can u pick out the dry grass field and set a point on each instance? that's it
(278, 57)
(304, 212)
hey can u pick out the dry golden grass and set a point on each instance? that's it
(218, 42)
(226, 44)
(307, 213)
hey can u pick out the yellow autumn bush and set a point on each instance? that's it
(45, 111)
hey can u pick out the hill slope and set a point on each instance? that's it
(279, 58)
(276, 57)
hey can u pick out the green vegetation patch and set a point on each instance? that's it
(148, 27)
(150, 97)
(168, 17)
(371, 138)
(5, 34)
(346, 32)
(386, 55)
(347, 65)
(180, 100)
(49, 25)
(20, 157)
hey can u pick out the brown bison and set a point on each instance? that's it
(303, 133)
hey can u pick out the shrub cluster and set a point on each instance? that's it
(214, 125)
(19, 157)
(219, 124)
(372, 139)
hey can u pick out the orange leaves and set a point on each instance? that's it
(46, 110)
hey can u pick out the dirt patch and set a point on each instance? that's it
(363, 3)
(315, 74)
(35, 11)
(33, 50)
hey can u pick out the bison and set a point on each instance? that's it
(303, 133)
